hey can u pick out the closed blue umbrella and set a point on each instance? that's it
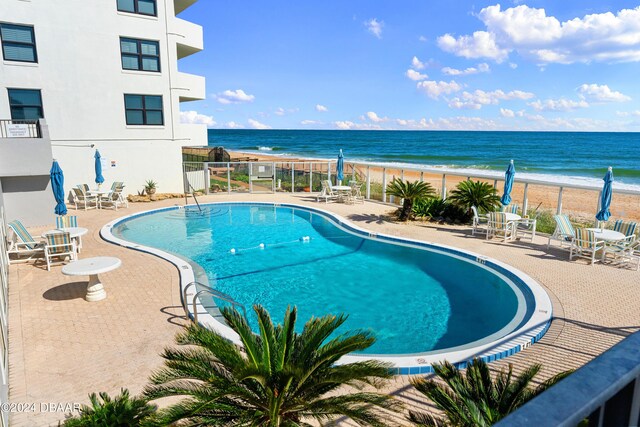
(99, 177)
(508, 184)
(57, 185)
(605, 199)
(340, 168)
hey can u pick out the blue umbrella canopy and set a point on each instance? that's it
(508, 184)
(98, 166)
(340, 167)
(605, 199)
(57, 185)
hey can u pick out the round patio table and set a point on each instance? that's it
(92, 267)
(607, 235)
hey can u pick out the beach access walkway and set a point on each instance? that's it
(61, 347)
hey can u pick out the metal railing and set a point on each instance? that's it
(20, 129)
(605, 392)
(4, 299)
(204, 289)
(299, 177)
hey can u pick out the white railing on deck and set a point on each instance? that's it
(198, 174)
(4, 333)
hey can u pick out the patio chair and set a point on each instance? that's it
(628, 228)
(526, 227)
(479, 222)
(584, 244)
(326, 192)
(114, 199)
(564, 232)
(356, 191)
(22, 244)
(498, 225)
(512, 208)
(80, 197)
(66, 221)
(626, 251)
(60, 245)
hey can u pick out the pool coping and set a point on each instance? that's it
(514, 342)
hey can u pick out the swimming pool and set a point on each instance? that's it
(422, 301)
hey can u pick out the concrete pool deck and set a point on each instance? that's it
(61, 347)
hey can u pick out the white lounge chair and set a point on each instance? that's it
(22, 244)
(114, 199)
(479, 223)
(80, 197)
(327, 192)
(564, 232)
(356, 191)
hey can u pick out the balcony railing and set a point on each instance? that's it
(20, 129)
(604, 392)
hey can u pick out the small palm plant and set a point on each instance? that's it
(410, 192)
(280, 379)
(475, 399)
(121, 411)
(479, 194)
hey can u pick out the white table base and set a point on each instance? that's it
(95, 289)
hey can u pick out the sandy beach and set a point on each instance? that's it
(580, 204)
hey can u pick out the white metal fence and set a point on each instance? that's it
(306, 177)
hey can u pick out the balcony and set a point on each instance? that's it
(189, 87)
(180, 5)
(188, 37)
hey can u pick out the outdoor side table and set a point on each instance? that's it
(92, 267)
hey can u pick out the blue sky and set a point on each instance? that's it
(516, 65)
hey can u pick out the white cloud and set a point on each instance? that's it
(416, 64)
(434, 89)
(283, 112)
(234, 97)
(311, 122)
(321, 108)
(605, 37)
(254, 124)
(416, 76)
(348, 125)
(480, 45)
(374, 27)
(505, 112)
(481, 68)
(513, 65)
(193, 117)
(476, 99)
(233, 125)
(375, 118)
(422, 39)
(601, 93)
(561, 104)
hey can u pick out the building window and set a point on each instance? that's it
(143, 109)
(142, 55)
(25, 104)
(18, 43)
(141, 7)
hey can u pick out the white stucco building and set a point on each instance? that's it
(104, 73)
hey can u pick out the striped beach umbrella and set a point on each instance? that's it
(508, 184)
(57, 186)
(605, 198)
(340, 168)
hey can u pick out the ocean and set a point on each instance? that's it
(570, 157)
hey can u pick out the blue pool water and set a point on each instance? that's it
(414, 300)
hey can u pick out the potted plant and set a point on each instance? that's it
(150, 187)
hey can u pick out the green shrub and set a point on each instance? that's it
(429, 208)
(121, 411)
(475, 193)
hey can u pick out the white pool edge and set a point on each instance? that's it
(510, 344)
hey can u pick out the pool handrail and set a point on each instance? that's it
(208, 290)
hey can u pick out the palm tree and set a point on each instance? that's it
(476, 399)
(279, 378)
(410, 192)
(479, 194)
(121, 411)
